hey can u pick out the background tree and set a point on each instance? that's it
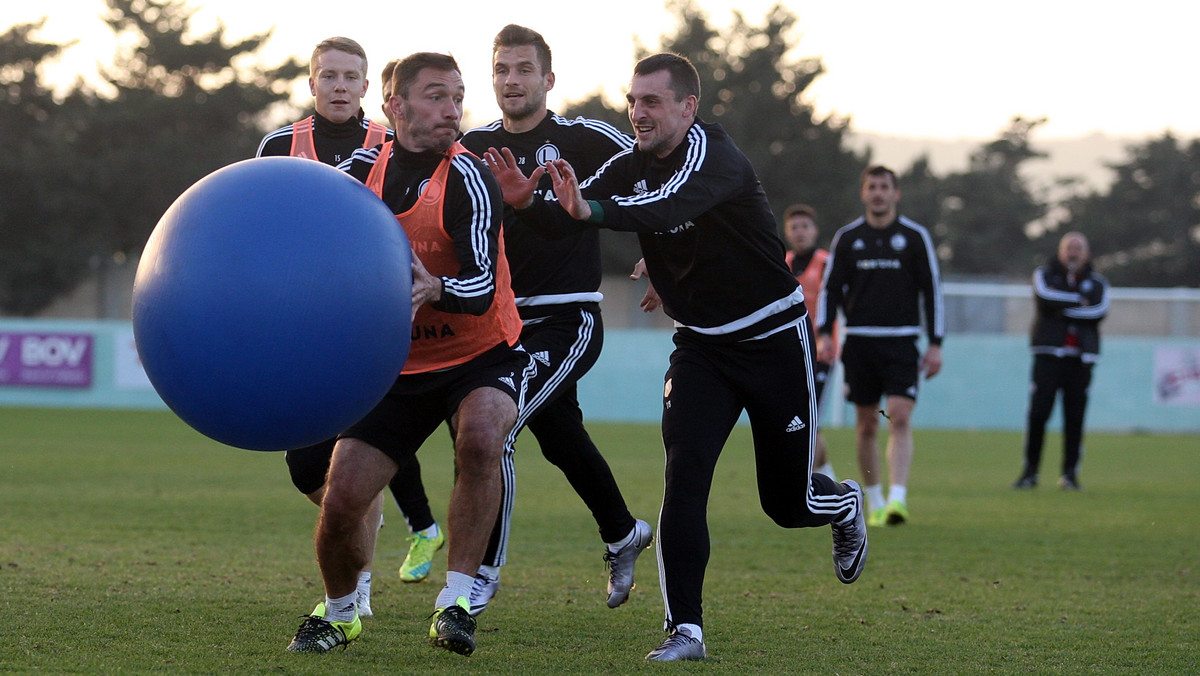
(985, 210)
(43, 252)
(1144, 230)
(181, 110)
(86, 178)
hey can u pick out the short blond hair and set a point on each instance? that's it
(340, 44)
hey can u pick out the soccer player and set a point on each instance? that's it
(465, 366)
(881, 269)
(716, 261)
(338, 81)
(556, 282)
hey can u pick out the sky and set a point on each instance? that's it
(936, 69)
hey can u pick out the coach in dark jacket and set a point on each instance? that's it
(1071, 300)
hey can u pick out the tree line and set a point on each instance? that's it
(84, 177)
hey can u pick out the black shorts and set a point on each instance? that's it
(309, 465)
(418, 403)
(877, 367)
(565, 346)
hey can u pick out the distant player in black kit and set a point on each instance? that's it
(882, 270)
(556, 282)
(714, 256)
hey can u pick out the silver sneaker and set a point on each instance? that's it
(850, 540)
(482, 591)
(678, 646)
(620, 565)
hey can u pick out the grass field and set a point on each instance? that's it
(132, 544)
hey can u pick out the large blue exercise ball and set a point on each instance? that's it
(272, 303)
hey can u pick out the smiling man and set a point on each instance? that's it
(742, 338)
(557, 286)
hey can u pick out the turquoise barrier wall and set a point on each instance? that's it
(983, 384)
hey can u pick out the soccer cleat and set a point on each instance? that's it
(678, 646)
(453, 628)
(897, 513)
(482, 592)
(850, 540)
(420, 556)
(620, 565)
(1068, 482)
(877, 517)
(318, 635)
(1026, 481)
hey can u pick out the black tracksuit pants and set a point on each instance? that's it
(1050, 374)
(707, 387)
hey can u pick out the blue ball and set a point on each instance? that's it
(272, 303)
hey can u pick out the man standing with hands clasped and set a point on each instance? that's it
(1071, 301)
(713, 254)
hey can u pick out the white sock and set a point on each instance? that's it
(875, 497)
(430, 532)
(898, 493)
(364, 581)
(341, 609)
(457, 585)
(490, 572)
(692, 630)
(827, 470)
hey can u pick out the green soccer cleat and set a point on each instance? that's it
(877, 517)
(420, 556)
(897, 513)
(453, 628)
(318, 635)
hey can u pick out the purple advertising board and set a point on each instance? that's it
(46, 359)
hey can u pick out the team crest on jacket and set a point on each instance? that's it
(898, 242)
(547, 153)
(858, 245)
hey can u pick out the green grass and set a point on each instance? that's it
(132, 544)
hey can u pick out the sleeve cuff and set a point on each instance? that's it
(597, 216)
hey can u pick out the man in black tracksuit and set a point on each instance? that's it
(713, 254)
(1071, 301)
(557, 286)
